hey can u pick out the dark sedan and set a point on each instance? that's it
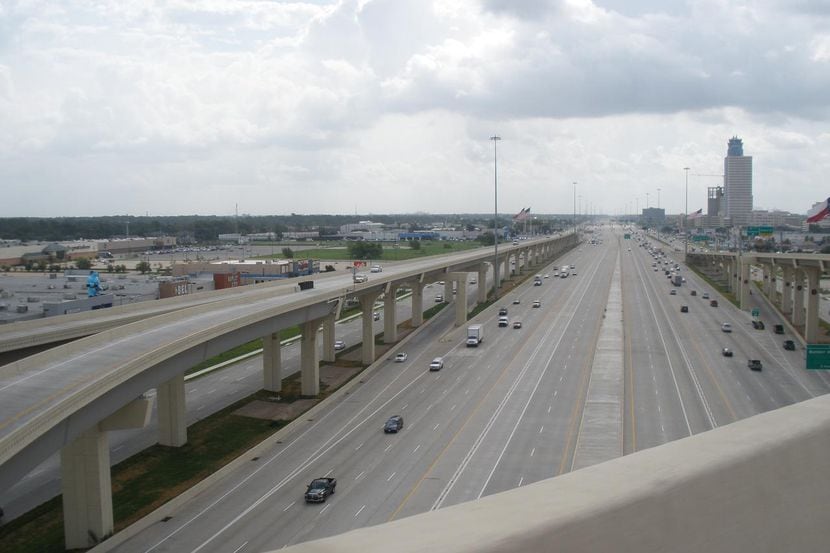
(394, 424)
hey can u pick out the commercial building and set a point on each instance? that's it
(737, 184)
(653, 217)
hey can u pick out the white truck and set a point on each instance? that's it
(475, 334)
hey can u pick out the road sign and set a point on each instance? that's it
(756, 312)
(765, 231)
(700, 238)
(626, 236)
(818, 356)
(753, 231)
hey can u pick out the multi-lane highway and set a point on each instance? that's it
(507, 413)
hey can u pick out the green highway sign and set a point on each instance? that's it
(700, 238)
(756, 312)
(753, 231)
(818, 356)
(626, 236)
(767, 231)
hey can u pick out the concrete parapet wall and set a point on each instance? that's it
(757, 485)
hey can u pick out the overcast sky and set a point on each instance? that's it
(385, 106)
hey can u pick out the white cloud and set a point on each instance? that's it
(386, 105)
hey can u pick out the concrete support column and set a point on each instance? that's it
(505, 274)
(811, 324)
(390, 324)
(366, 303)
(309, 362)
(417, 304)
(482, 282)
(745, 284)
(798, 298)
(787, 291)
(87, 490)
(172, 412)
(447, 289)
(271, 363)
(768, 274)
(329, 355)
(460, 298)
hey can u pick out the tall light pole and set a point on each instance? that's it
(658, 207)
(495, 140)
(574, 219)
(685, 221)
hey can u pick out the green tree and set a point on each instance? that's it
(486, 238)
(288, 253)
(365, 250)
(415, 244)
(83, 263)
(143, 267)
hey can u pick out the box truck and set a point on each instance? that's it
(475, 334)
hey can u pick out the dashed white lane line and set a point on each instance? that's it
(549, 406)
(211, 391)
(391, 476)
(289, 506)
(388, 447)
(555, 392)
(323, 510)
(541, 428)
(327, 474)
(467, 391)
(436, 426)
(359, 475)
(238, 549)
(522, 479)
(416, 448)
(358, 447)
(404, 407)
(359, 511)
(532, 451)
(453, 407)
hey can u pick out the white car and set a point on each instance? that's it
(400, 357)
(339, 345)
(437, 364)
(726, 327)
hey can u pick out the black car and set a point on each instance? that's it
(789, 345)
(684, 308)
(726, 352)
(779, 329)
(758, 325)
(502, 311)
(320, 489)
(394, 424)
(754, 364)
(693, 293)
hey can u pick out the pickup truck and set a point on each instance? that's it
(319, 489)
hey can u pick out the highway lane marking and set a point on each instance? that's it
(328, 473)
(391, 476)
(238, 549)
(404, 407)
(417, 448)
(549, 406)
(453, 407)
(212, 391)
(467, 391)
(555, 393)
(436, 426)
(315, 456)
(359, 475)
(323, 510)
(289, 506)
(428, 407)
(388, 447)
(532, 451)
(359, 511)
(358, 447)
(522, 479)
(541, 428)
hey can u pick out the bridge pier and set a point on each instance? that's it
(390, 323)
(482, 282)
(447, 288)
(367, 302)
(460, 297)
(328, 339)
(309, 362)
(744, 285)
(417, 304)
(787, 291)
(811, 324)
(271, 363)
(172, 412)
(798, 297)
(86, 482)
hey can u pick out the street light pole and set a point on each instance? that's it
(495, 140)
(574, 218)
(685, 220)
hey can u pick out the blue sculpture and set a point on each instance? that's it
(93, 284)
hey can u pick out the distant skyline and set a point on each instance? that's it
(386, 106)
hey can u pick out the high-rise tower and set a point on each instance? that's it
(737, 183)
